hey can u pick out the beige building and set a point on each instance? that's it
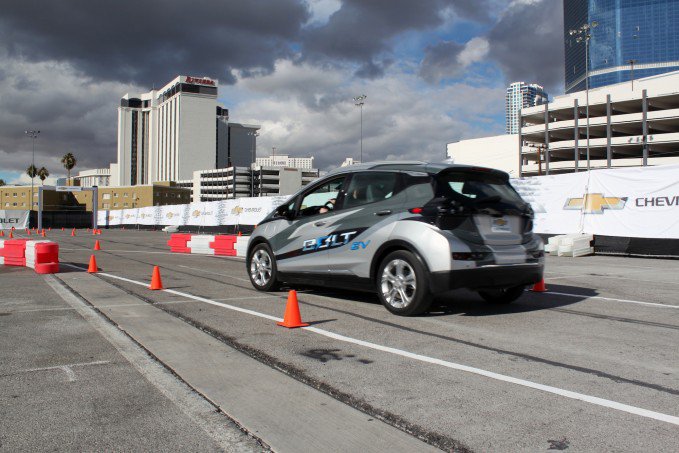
(159, 194)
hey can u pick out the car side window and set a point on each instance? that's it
(370, 187)
(322, 199)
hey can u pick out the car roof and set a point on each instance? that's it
(408, 166)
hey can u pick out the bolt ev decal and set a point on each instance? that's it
(358, 245)
(328, 242)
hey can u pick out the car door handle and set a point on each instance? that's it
(383, 212)
(320, 223)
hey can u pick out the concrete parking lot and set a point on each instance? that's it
(591, 365)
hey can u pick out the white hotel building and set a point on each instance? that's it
(167, 134)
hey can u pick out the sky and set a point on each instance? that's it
(433, 71)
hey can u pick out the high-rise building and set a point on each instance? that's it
(632, 39)
(521, 95)
(167, 134)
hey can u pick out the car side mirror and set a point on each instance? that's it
(283, 211)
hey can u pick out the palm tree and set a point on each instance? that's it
(43, 173)
(2, 182)
(69, 162)
(31, 171)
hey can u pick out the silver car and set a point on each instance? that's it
(405, 230)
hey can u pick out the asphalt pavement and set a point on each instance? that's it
(591, 365)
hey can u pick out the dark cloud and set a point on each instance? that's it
(527, 42)
(440, 60)
(361, 31)
(153, 40)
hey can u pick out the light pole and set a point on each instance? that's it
(359, 101)
(32, 135)
(583, 33)
(631, 63)
(254, 135)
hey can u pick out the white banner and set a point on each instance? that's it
(628, 202)
(10, 218)
(241, 211)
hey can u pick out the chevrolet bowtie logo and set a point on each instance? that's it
(595, 203)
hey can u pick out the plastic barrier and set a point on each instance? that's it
(242, 245)
(2, 248)
(14, 252)
(570, 245)
(220, 245)
(224, 245)
(201, 244)
(178, 242)
(42, 256)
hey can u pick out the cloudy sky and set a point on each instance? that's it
(434, 71)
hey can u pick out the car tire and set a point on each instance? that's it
(402, 284)
(262, 269)
(502, 295)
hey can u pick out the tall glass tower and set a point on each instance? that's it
(634, 38)
(520, 95)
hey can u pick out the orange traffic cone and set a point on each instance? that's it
(49, 229)
(292, 317)
(73, 232)
(96, 245)
(93, 265)
(240, 234)
(539, 287)
(28, 232)
(11, 236)
(156, 282)
(43, 233)
(99, 232)
(62, 228)
(2, 234)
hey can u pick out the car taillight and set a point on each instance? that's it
(415, 210)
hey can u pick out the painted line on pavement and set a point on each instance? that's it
(422, 358)
(626, 301)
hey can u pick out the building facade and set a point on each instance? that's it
(626, 128)
(238, 182)
(520, 95)
(167, 134)
(632, 39)
(497, 152)
(284, 160)
(100, 177)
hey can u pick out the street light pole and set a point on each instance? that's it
(254, 135)
(584, 34)
(32, 135)
(359, 101)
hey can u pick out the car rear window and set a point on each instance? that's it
(476, 187)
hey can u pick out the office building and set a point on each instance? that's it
(627, 128)
(633, 38)
(520, 95)
(167, 134)
(284, 160)
(349, 161)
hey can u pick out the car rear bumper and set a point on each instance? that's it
(492, 276)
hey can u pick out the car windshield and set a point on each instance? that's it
(477, 188)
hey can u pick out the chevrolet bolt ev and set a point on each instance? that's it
(405, 230)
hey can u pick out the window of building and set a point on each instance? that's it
(125, 204)
(125, 195)
(23, 203)
(14, 204)
(107, 196)
(105, 205)
(115, 195)
(7, 204)
(115, 205)
(15, 194)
